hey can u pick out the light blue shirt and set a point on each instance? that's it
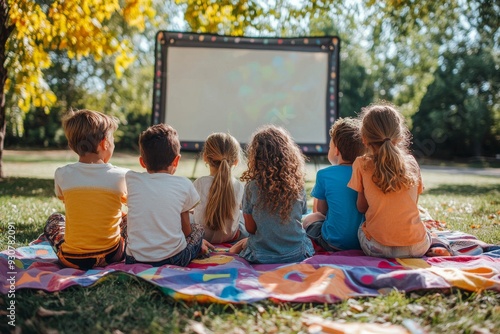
(340, 228)
(275, 241)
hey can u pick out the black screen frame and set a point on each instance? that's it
(327, 44)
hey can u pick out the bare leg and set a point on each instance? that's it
(437, 251)
(312, 218)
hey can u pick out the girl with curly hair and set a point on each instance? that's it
(274, 200)
(388, 183)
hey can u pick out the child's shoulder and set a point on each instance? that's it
(204, 179)
(118, 170)
(363, 161)
(157, 180)
(78, 167)
(334, 169)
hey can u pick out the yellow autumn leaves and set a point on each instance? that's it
(78, 27)
(210, 16)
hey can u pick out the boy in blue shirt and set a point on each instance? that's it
(335, 220)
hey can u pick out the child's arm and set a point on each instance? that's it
(250, 225)
(186, 223)
(361, 203)
(320, 205)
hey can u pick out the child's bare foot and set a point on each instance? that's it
(437, 251)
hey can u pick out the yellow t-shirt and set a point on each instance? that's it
(392, 219)
(93, 195)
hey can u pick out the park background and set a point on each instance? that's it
(437, 60)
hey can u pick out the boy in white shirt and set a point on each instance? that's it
(159, 229)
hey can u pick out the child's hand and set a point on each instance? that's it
(239, 246)
(206, 248)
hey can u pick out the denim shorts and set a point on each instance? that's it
(184, 257)
(259, 256)
(314, 233)
(375, 249)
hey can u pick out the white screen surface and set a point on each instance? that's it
(237, 90)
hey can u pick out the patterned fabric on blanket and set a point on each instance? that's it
(225, 278)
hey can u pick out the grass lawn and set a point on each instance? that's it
(465, 202)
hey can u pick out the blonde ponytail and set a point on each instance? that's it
(384, 131)
(221, 199)
(221, 152)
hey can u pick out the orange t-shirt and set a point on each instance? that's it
(392, 219)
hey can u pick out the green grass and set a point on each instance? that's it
(468, 203)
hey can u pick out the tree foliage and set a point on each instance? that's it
(421, 55)
(30, 29)
(78, 27)
(460, 113)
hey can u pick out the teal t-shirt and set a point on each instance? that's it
(275, 241)
(340, 228)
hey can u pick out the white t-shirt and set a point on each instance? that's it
(202, 185)
(155, 204)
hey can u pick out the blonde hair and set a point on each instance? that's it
(387, 136)
(277, 165)
(85, 129)
(221, 151)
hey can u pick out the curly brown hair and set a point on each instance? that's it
(277, 165)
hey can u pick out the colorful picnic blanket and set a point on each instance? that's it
(227, 278)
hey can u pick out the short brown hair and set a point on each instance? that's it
(159, 145)
(85, 129)
(346, 136)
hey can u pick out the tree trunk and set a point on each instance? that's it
(5, 31)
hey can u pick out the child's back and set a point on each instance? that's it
(159, 229)
(392, 218)
(275, 240)
(274, 200)
(388, 183)
(233, 228)
(155, 202)
(339, 229)
(93, 195)
(93, 191)
(220, 193)
(335, 221)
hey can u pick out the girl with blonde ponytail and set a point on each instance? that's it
(221, 194)
(388, 183)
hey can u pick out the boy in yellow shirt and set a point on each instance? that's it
(91, 234)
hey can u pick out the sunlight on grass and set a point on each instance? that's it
(469, 203)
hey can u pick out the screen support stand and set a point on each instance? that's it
(316, 162)
(195, 165)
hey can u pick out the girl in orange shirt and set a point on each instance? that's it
(388, 183)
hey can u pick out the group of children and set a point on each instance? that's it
(366, 200)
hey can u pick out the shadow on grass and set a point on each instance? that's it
(26, 187)
(465, 189)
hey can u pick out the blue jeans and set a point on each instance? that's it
(314, 233)
(184, 257)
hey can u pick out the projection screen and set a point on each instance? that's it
(211, 83)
